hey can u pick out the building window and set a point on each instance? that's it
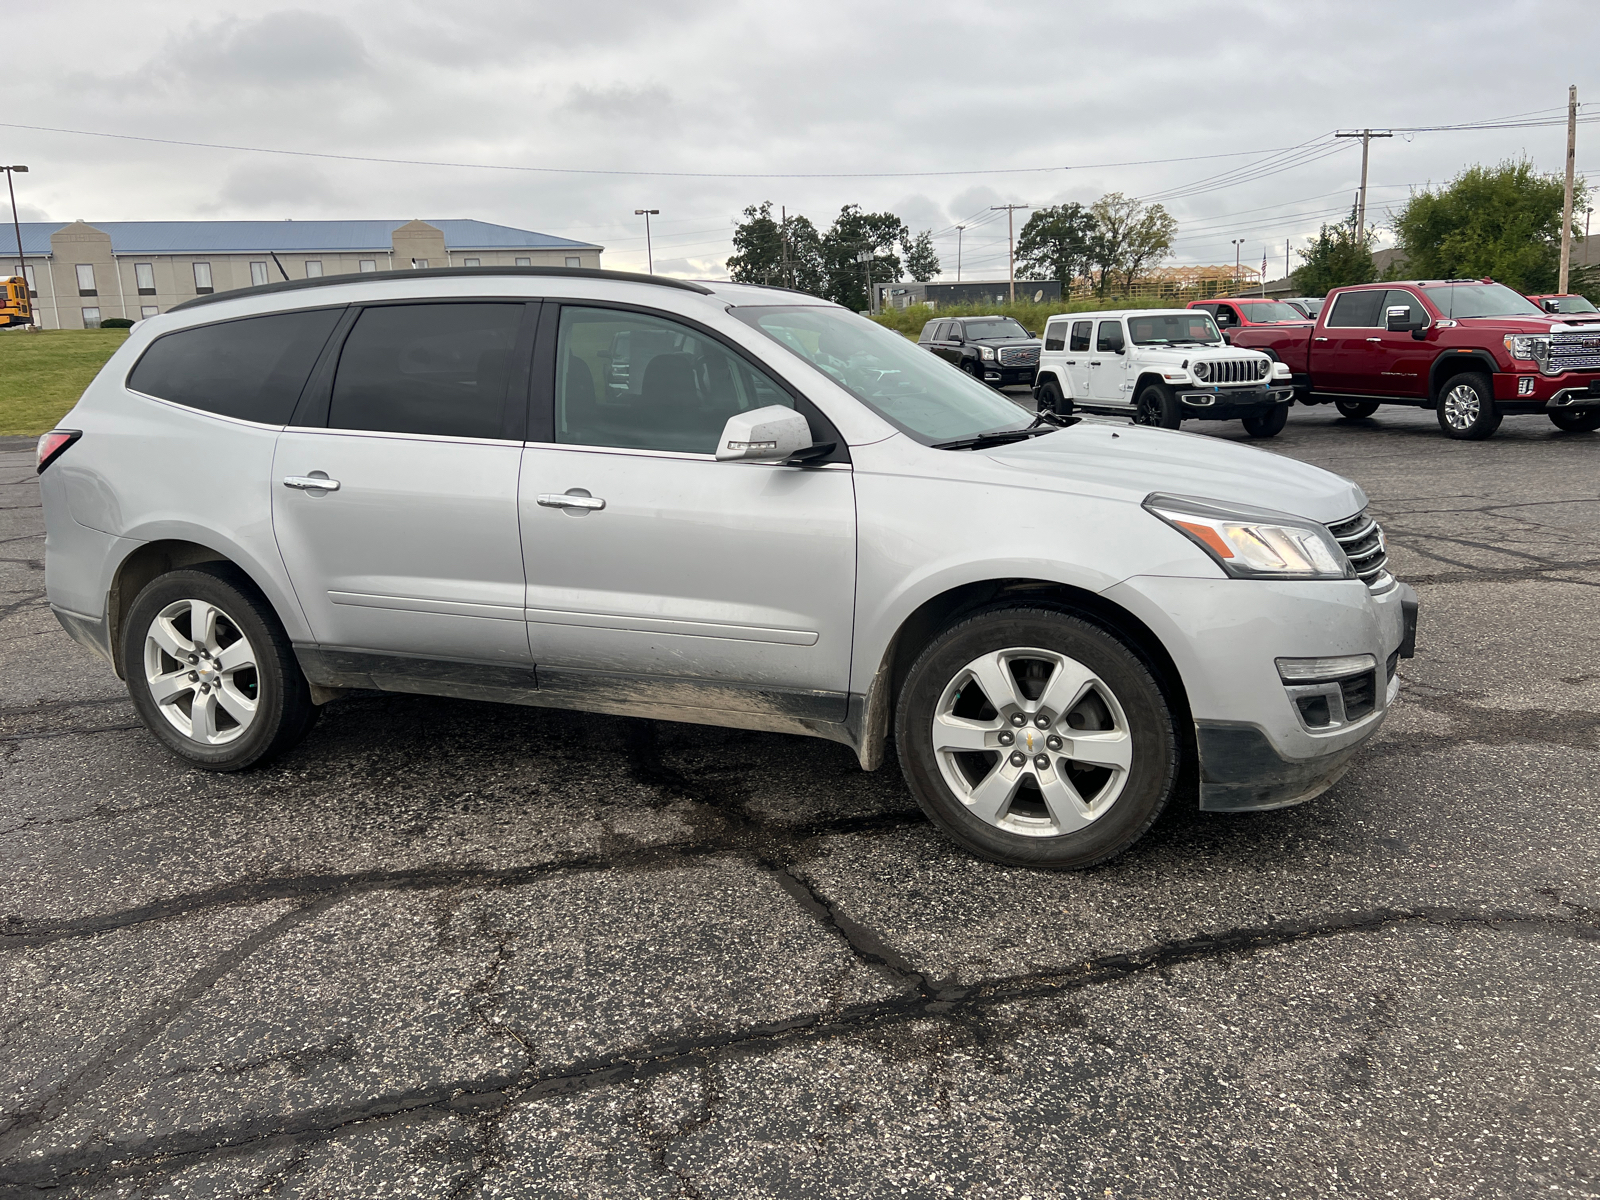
(524, 262)
(33, 288)
(258, 274)
(144, 278)
(313, 268)
(471, 262)
(91, 318)
(202, 279)
(574, 262)
(369, 264)
(419, 264)
(148, 310)
(86, 283)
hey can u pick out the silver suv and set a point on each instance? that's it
(710, 503)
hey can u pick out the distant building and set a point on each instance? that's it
(904, 295)
(80, 274)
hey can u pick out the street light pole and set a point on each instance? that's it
(1237, 242)
(16, 225)
(959, 228)
(649, 253)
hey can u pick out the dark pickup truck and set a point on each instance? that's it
(996, 350)
(1471, 349)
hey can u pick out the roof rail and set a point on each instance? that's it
(295, 285)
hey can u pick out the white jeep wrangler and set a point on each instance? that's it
(1162, 367)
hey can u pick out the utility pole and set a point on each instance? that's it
(1366, 136)
(1286, 242)
(1011, 243)
(959, 228)
(1263, 272)
(649, 253)
(1566, 205)
(864, 257)
(783, 243)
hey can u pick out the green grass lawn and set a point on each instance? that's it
(43, 374)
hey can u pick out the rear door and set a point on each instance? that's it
(416, 423)
(1079, 341)
(1347, 352)
(1108, 364)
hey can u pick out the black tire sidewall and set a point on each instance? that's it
(1268, 424)
(1150, 782)
(1489, 415)
(284, 710)
(1580, 421)
(1050, 397)
(1171, 415)
(1355, 410)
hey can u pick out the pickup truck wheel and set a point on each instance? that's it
(1585, 420)
(211, 672)
(1268, 424)
(1051, 399)
(1466, 407)
(1157, 406)
(1034, 738)
(1356, 409)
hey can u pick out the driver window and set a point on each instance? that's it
(1226, 315)
(1108, 338)
(641, 382)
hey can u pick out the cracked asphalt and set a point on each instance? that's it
(449, 949)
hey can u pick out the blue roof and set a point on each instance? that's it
(244, 237)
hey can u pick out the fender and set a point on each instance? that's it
(1449, 362)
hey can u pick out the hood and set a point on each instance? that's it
(1138, 461)
(1002, 343)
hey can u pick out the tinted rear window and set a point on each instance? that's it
(251, 369)
(1357, 310)
(427, 368)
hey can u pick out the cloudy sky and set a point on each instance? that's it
(570, 116)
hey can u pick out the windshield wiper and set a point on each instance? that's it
(1043, 423)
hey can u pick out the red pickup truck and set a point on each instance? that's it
(1471, 349)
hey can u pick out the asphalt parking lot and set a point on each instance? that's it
(449, 949)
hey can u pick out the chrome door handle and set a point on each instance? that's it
(311, 483)
(554, 500)
(1319, 339)
(1374, 339)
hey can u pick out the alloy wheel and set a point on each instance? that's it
(201, 672)
(1461, 406)
(1032, 741)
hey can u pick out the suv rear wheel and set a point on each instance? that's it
(1035, 738)
(211, 672)
(1466, 407)
(1157, 406)
(1356, 409)
(1583, 420)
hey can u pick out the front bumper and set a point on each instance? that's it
(1541, 392)
(1256, 751)
(1009, 376)
(1231, 403)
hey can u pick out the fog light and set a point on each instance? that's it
(1316, 670)
(1525, 386)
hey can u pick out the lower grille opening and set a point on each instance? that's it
(1390, 666)
(1314, 711)
(1360, 695)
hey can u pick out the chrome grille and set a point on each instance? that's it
(1362, 541)
(1019, 356)
(1579, 351)
(1236, 370)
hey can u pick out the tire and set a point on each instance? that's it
(1466, 407)
(952, 739)
(1268, 424)
(1051, 399)
(1584, 420)
(1354, 410)
(256, 702)
(1158, 407)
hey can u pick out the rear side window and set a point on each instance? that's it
(439, 369)
(1055, 335)
(251, 369)
(1357, 310)
(1109, 337)
(1080, 335)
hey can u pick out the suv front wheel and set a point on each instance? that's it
(1466, 407)
(211, 671)
(1036, 739)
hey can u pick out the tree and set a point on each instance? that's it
(781, 253)
(1057, 243)
(1501, 222)
(1336, 258)
(852, 232)
(922, 264)
(1129, 237)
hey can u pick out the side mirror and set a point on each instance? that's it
(1227, 337)
(1552, 306)
(1397, 319)
(769, 434)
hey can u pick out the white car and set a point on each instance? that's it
(1161, 367)
(710, 503)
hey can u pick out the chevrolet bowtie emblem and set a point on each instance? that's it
(1030, 741)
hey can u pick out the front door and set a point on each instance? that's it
(1352, 359)
(659, 577)
(1405, 362)
(1108, 365)
(412, 548)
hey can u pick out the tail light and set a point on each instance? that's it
(53, 444)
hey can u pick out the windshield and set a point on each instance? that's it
(1265, 314)
(1000, 327)
(1574, 304)
(914, 390)
(1168, 329)
(1481, 300)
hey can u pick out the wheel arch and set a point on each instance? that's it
(939, 612)
(1447, 366)
(1145, 379)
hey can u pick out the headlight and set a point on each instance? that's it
(1202, 371)
(1263, 368)
(1254, 543)
(986, 353)
(1526, 347)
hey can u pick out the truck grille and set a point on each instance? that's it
(1363, 545)
(1019, 356)
(1236, 370)
(1578, 351)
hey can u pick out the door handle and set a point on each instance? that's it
(1072, 362)
(1319, 339)
(1379, 340)
(567, 500)
(1094, 364)
(311, 483)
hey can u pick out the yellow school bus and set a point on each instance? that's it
(14, 306)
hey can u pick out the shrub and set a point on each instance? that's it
(116, 323)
